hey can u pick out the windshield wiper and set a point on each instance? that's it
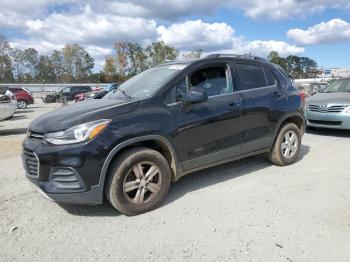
(124, 93)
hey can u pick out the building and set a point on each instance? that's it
(340, 72)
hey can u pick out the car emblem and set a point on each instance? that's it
(323, 106)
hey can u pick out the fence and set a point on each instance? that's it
(39, 90)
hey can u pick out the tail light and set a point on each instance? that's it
(302, 96)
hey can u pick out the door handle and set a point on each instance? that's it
(276, 94)
(234, 106)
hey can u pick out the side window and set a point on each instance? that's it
(181, 90)
(251, 76)
(66, 90)
(270, 78)
(213, 80)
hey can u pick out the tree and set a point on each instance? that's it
(137, 58)
(297, 67)
(77, 63)
(275, 58)
(45, 70)
(6, 75)
(197, 53)
(109, 73)
(121, 58)
(58, 65)
(30, 60)
(159, 52)
(17, 61)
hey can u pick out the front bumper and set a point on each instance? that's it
(328, 120)
(67, 174)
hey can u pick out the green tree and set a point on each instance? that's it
(137, 58)
(275, 58)
(109, 73)
(30, 61)
(58, 65)
(159, 52)
(45, 70)
(196, 53)
(6, 75)
(77, 63)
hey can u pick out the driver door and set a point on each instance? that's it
(209, 131)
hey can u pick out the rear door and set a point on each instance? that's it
(209, 131)
(260, 93)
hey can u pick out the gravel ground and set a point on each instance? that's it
(247, 210)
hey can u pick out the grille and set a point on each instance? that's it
(326, 123)
(35, 135)
(326, 109)
(31, 162)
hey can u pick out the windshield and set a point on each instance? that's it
(338, 86)
(146, 83)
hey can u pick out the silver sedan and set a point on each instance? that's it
(7, 107)
(331, 108)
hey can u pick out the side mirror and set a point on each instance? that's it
(195, 96)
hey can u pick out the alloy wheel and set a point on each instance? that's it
(142, 183)
(21, 104)
(290, 144)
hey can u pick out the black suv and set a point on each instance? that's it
(66, 94)
(165, 122)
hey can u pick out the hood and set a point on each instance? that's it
(330, 98)
(79, 113)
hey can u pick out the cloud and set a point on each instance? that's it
(88, 27)
(261, 48)
(197, 34)
(333, 31)
(172, 10)
(285, 9)
(164, 9)
(219, 37)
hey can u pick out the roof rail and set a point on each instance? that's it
(237, 56)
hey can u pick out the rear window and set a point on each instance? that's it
(270, 78)
(251, 76)
(15, 90)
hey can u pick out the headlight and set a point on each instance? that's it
(348, 111)
(77, 134)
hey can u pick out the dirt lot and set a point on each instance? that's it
(248, 210)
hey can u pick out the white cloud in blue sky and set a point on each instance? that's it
(97, 25)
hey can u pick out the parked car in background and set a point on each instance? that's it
(4, 90)
(23, 96)
(97, 93)
(164, 123)
(331, 108)
(66, 94)
(310, 89)
(7, 107)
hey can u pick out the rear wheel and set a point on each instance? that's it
(138, 182)
(21, 104)
(286, 148)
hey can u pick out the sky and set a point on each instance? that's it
(319, 29)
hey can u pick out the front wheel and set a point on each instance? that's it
(139, 180)
(286, 148)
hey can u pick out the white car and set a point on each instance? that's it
(7, 107)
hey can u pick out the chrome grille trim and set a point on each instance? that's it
(35, 135)
(31, 163)
(327, 109)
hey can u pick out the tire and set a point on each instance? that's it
(22, 104)
(122, 177)
(281, 157)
